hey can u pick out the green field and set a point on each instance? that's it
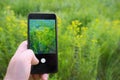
(88, 36)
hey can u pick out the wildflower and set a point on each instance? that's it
(1, 29)
(97, 20)
(24, 34)
(23, 23)
(84, 28)
(77, 29)
(76, 22)
(74, 32)
(69, 28)
(94, 40)
(59, 20)
(81, 36)
(115, 22)
(78, 36)
(8, 18)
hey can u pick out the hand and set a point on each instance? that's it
(20, 65)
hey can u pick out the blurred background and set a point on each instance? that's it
(88, 36)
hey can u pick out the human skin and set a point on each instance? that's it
(20, 65)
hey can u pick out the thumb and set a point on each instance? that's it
(32, 57)
(34, 60)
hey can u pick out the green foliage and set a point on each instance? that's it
(42, 36)
(88, 36)
(12, 32)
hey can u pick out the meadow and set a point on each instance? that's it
(88, 36)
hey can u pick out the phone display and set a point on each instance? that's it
(42, 36)
(42, 39)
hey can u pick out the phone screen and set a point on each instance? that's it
(42, 36)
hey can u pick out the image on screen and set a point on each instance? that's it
(42, 36)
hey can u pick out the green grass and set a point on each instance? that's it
(88, 36)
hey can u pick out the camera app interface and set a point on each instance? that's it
(42, 36)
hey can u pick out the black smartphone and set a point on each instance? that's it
(42, 39)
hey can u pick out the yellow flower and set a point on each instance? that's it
(70, 28)
(97, 20)
(23, 23)
(77, 29)
(94, 40)
(1, 29)
(78, 36)
(24, 34)
(76, 22)
(84, 28)
(59, 20)
(115, 22)
(81, 36)
(8, 18)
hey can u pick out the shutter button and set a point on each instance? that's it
(43, 60)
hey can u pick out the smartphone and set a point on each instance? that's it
(42, 39)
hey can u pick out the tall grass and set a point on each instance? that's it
(88, 36)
